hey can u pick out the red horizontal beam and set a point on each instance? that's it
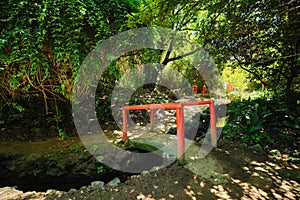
(196, 103)
(168, 106)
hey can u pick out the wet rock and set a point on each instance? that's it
(257, 148)
(10, 193)
(72, 190)
(97, 184)
(76, 169)
(30, 195)
(22, 174)
(54, 172)
(83, 188)
(91, 166)
(53, 192)
(134, 176)
(275, 152)
(80, 168)
(114, 182)
(144, 173)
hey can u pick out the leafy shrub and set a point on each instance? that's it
(249, 120)
(43, 43)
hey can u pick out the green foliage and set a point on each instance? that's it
(18, 107)
(103, 102)
(57, 118)
(246, 31)
(43, 43)
(188, 71)
(236, 76)
(95, 147)
(100, 169)
(62, 134)
(77, 148)
(37, 171)
(129, 144)
(139, 146)
(181, 161)
(159, 95)
(250, 120)
(260, 37)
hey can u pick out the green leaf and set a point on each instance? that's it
(254, 119)
(255, 128)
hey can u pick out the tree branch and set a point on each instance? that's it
(182, 56)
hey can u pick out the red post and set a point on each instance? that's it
(195, 89)
(124, 116)
(151, 119)
(180, 132)
(213, 123)
(229, 88)
(203, 90)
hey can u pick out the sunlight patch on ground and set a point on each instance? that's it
(188, 190)
(143, 197)
(220, 192)
(267, 172)
(251, 191)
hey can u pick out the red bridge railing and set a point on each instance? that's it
(179, 107)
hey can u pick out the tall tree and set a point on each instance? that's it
(261, 37)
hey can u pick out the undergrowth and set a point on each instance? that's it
(263, 120)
